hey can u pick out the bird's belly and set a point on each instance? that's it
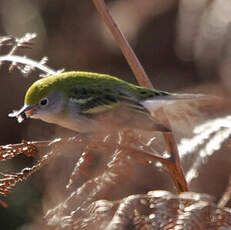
(81, 124)
(105, 122)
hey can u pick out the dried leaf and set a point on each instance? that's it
(155, 210)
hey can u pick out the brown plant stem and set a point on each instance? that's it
(226, 196)
(173, 164)
(129, 54)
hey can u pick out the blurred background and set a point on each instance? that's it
(183, 45)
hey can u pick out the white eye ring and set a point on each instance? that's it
(44, 102)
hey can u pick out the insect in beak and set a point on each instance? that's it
(25, 112)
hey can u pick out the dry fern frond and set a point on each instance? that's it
(10, 180)
(10, 151)
(117, 169)
(31, 149)
(155, 210)
(208, 138)
(81, 168)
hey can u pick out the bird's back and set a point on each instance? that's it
(88, 83)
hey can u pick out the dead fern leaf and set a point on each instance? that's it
(209, 138)
(8, 181)
(155, 210)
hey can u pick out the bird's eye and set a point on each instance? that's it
(44, 101)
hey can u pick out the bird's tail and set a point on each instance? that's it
(155, 103)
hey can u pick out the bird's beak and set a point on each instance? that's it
(25, 112)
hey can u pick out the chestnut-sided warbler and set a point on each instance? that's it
(91, 102)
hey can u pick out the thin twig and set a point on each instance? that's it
(173, 165)
(27, 61)
(129, 54)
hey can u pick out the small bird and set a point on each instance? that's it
(91, 102)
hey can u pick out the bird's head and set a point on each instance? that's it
(43, 100)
